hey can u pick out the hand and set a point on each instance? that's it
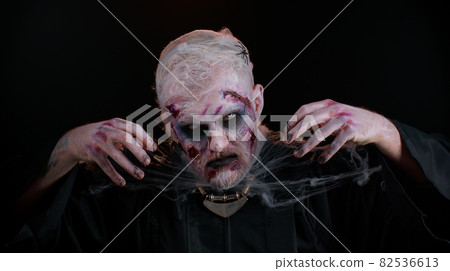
(347, 122)
(95, 142)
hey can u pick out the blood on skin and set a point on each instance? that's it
(218, 110)
(212, 174)
(345, 113)
(204, 110)
(331, 103)
(209, 140)
(252, 139)
(339, 113)
(238, 97)
(235, 166)
(347, 125)
(173, 110)
(193, 152)
(94, 149)
(101, 135)
(108, 124)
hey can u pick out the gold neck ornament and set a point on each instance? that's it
(224, 205)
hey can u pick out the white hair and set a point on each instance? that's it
(195, 57)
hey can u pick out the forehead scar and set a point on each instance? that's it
(236, 96)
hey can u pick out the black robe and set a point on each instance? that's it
(389, 214)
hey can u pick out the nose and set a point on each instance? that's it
(218, 142)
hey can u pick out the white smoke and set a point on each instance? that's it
(302, 177)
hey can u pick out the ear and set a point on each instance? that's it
(258, 99)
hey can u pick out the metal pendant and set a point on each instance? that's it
(225, 209)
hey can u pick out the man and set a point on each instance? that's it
(231, 190)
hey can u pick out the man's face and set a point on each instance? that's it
(213, 130)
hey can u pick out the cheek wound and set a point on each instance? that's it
(235, 166)
(193, 152)
(212, 174)
(252, 139)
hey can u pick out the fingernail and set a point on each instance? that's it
(321, 159)
(150, 147)
(287, 128)
(298, 153)
(122, 182)
(289, 137)
(140, 174)
(146, 161)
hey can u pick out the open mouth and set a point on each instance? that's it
(221, 162)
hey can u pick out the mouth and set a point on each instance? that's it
(221, 162)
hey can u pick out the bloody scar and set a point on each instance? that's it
(237, 96)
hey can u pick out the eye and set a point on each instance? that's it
(229, 117)
(232, 119)
(190, 130)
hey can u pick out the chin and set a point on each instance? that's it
(226, 179)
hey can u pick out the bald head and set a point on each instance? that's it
(192, 62)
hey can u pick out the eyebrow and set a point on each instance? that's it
(237, 96)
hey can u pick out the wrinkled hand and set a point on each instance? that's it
(347, 123)
(95, 142)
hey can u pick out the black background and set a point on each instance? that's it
(66, 63)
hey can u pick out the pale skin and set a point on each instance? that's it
(93, 143)
(352, 124)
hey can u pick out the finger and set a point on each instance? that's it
(316, 118)
(320, 135)
(307, 123)
(121, 139)
(137, 131)
(123, 161)
(307, 109)
(119, 146)
(132, 145)
(344, 135)
(99, 157)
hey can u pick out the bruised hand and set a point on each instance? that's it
(95, 142)
(347, 123)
